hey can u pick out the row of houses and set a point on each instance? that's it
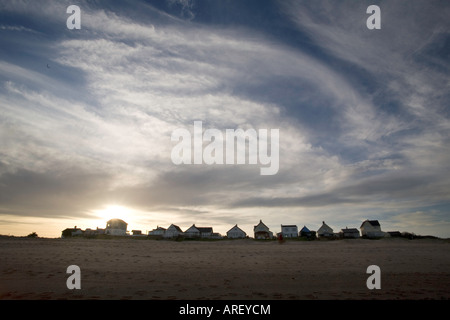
(369, 229)
(117, 227)
(174, 231)
(114, 227)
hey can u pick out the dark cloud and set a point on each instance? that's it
(407, 190)
(62, 192)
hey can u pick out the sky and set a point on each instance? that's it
(87, 115)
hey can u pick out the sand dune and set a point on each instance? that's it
(228, 269)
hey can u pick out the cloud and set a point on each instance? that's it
(16, 28)
(185, 6)
(52, 194)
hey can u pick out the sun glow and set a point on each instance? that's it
(114, 212)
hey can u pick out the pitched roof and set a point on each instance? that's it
(192, 228)
(326, 227)
(305, 229)
(72, 229)
(200, 229)
(236, 227)
(176, 227)
(260, 224)
(158, 229)
(350, 230)
(374, 223)
(116, 221)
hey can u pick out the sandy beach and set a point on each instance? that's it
(223, 270)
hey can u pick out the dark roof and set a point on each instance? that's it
(117, 221)
(176, 227)
(374, 223)
(72, 229)
(305, 229)
(350, 230)
(289, 225)
(202, 229)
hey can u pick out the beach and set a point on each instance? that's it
(116, 269)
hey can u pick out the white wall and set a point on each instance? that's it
(116, 232)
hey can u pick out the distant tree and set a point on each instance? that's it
(32, 235)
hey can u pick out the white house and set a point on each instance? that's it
(173, 231)
(199, 232)
(158, 232)
(261, 231)
(116, 227)
(325, 231)
(192, 232)
(236, 233)
(289, 231)
(371, 229)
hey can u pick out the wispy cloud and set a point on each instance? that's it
(363, 116)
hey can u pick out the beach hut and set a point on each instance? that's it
(289, 231)
(207, 232)
(199, 232)
(349, 233)
(236, 233)
(215, 235)
(371, 229)
(305, 232)
(192, 232)
(325, 231)
(71, 232)
(394, 234)
(261, 231)
(93, 233)
(157, 233)
(90, 232)
(136, 232)
(173, 231)
(116, 227)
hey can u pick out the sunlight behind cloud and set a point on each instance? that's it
(114, 212)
